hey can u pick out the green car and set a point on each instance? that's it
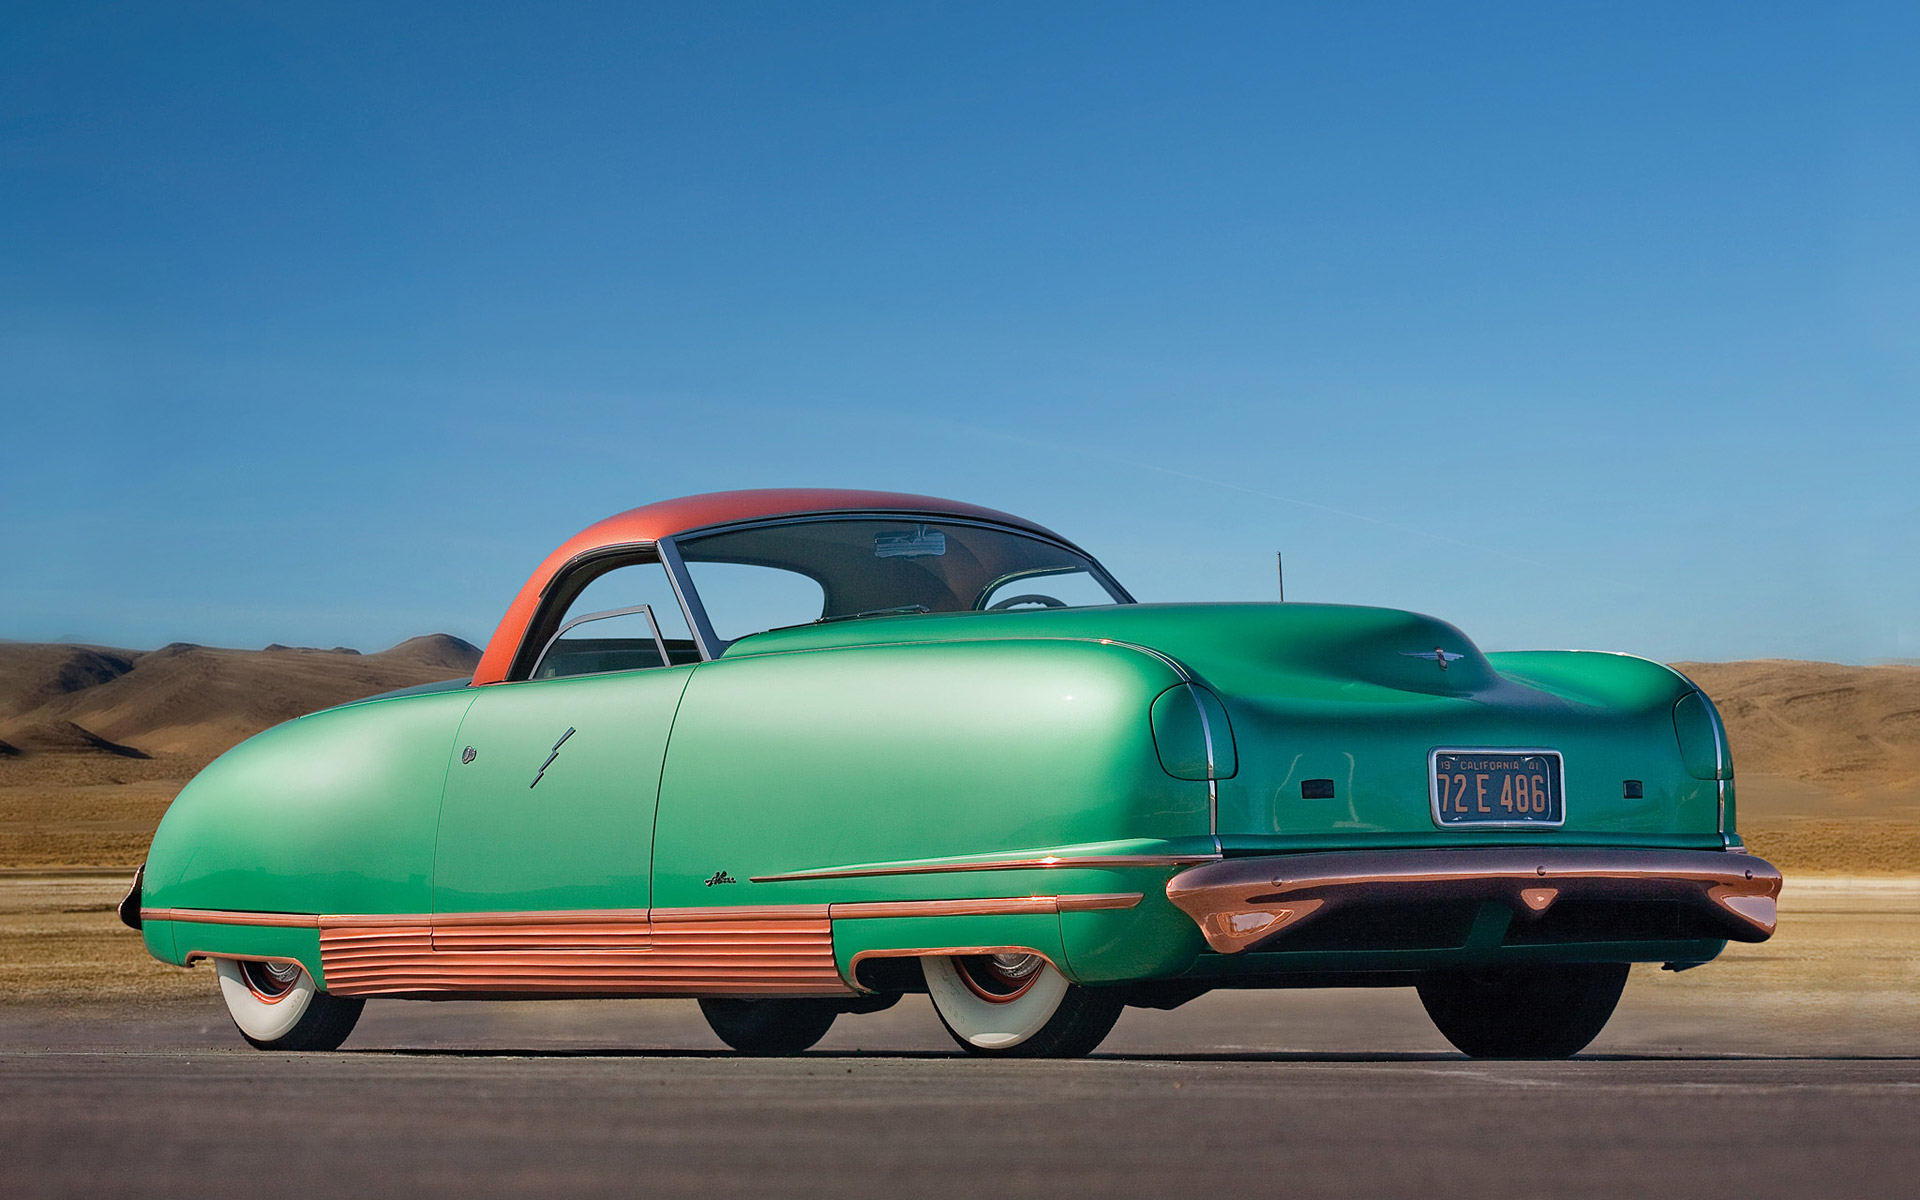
(797, 753)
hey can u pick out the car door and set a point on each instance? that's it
(546, 825)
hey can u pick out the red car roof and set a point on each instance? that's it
(651, 522)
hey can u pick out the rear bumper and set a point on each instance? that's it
(1258, 903)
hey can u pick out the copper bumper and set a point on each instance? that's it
(1243, 902)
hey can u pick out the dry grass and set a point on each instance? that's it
(61, 810)
(61, 943)
(1837, 845)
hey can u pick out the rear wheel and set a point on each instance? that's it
(1524, 1012)
(277, 1007)
(769, 1027)
(1018, 1006)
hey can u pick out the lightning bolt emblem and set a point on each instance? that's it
(556, 754)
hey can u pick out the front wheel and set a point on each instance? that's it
(277, 1007)
(1524, 1012)
(1019, 1006)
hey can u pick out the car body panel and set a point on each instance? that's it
(1333, 692)
(333, 812)
(908, 754)
(808, 799)
(555, 809)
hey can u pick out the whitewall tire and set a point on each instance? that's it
(276, 1006)
(1018, 1004)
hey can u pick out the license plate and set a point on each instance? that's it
(1497, 787)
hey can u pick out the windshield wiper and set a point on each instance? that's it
(900, 610)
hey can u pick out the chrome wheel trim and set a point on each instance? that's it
(270, 982)
(999, 978)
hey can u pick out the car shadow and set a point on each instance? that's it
(1249, 1056)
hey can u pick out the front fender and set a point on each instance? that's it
(333, 812)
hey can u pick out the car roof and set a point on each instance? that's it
(668, 518)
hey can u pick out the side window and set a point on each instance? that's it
(625, 620)
(742, 598)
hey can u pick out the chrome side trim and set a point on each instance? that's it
(991, 906)
(704, 638)
(1721, 765)
(1098, 902)
(1187, 679)
(1047, 862)
(1206, 732)
(1175, 665)
(1213, 770)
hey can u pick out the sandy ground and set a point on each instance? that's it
(1841, 977)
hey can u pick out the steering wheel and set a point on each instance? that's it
(1026, 598)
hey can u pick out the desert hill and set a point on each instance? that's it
(1826, 759)
(95, 742)
(189, 700)
(1850, 734)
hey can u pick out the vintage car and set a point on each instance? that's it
(796, 753)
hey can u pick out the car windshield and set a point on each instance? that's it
(796, 572)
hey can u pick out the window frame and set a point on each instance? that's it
(980, 601)
(659, 642)
(697, 614)
(573, 578)
(575, 574)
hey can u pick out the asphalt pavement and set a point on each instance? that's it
(1270, 1094)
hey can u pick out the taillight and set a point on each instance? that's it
(1703, 739)
(1192, 735)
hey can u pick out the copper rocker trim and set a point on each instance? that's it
(220, 916)
(1243, 902)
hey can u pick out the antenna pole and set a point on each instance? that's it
(1280, 561)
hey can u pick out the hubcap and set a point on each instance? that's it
(999, 978)
(270, 980)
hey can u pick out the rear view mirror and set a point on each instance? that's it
(921, 543)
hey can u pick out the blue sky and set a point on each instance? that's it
(1577, 325)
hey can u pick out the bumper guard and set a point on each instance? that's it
(1240, 903)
